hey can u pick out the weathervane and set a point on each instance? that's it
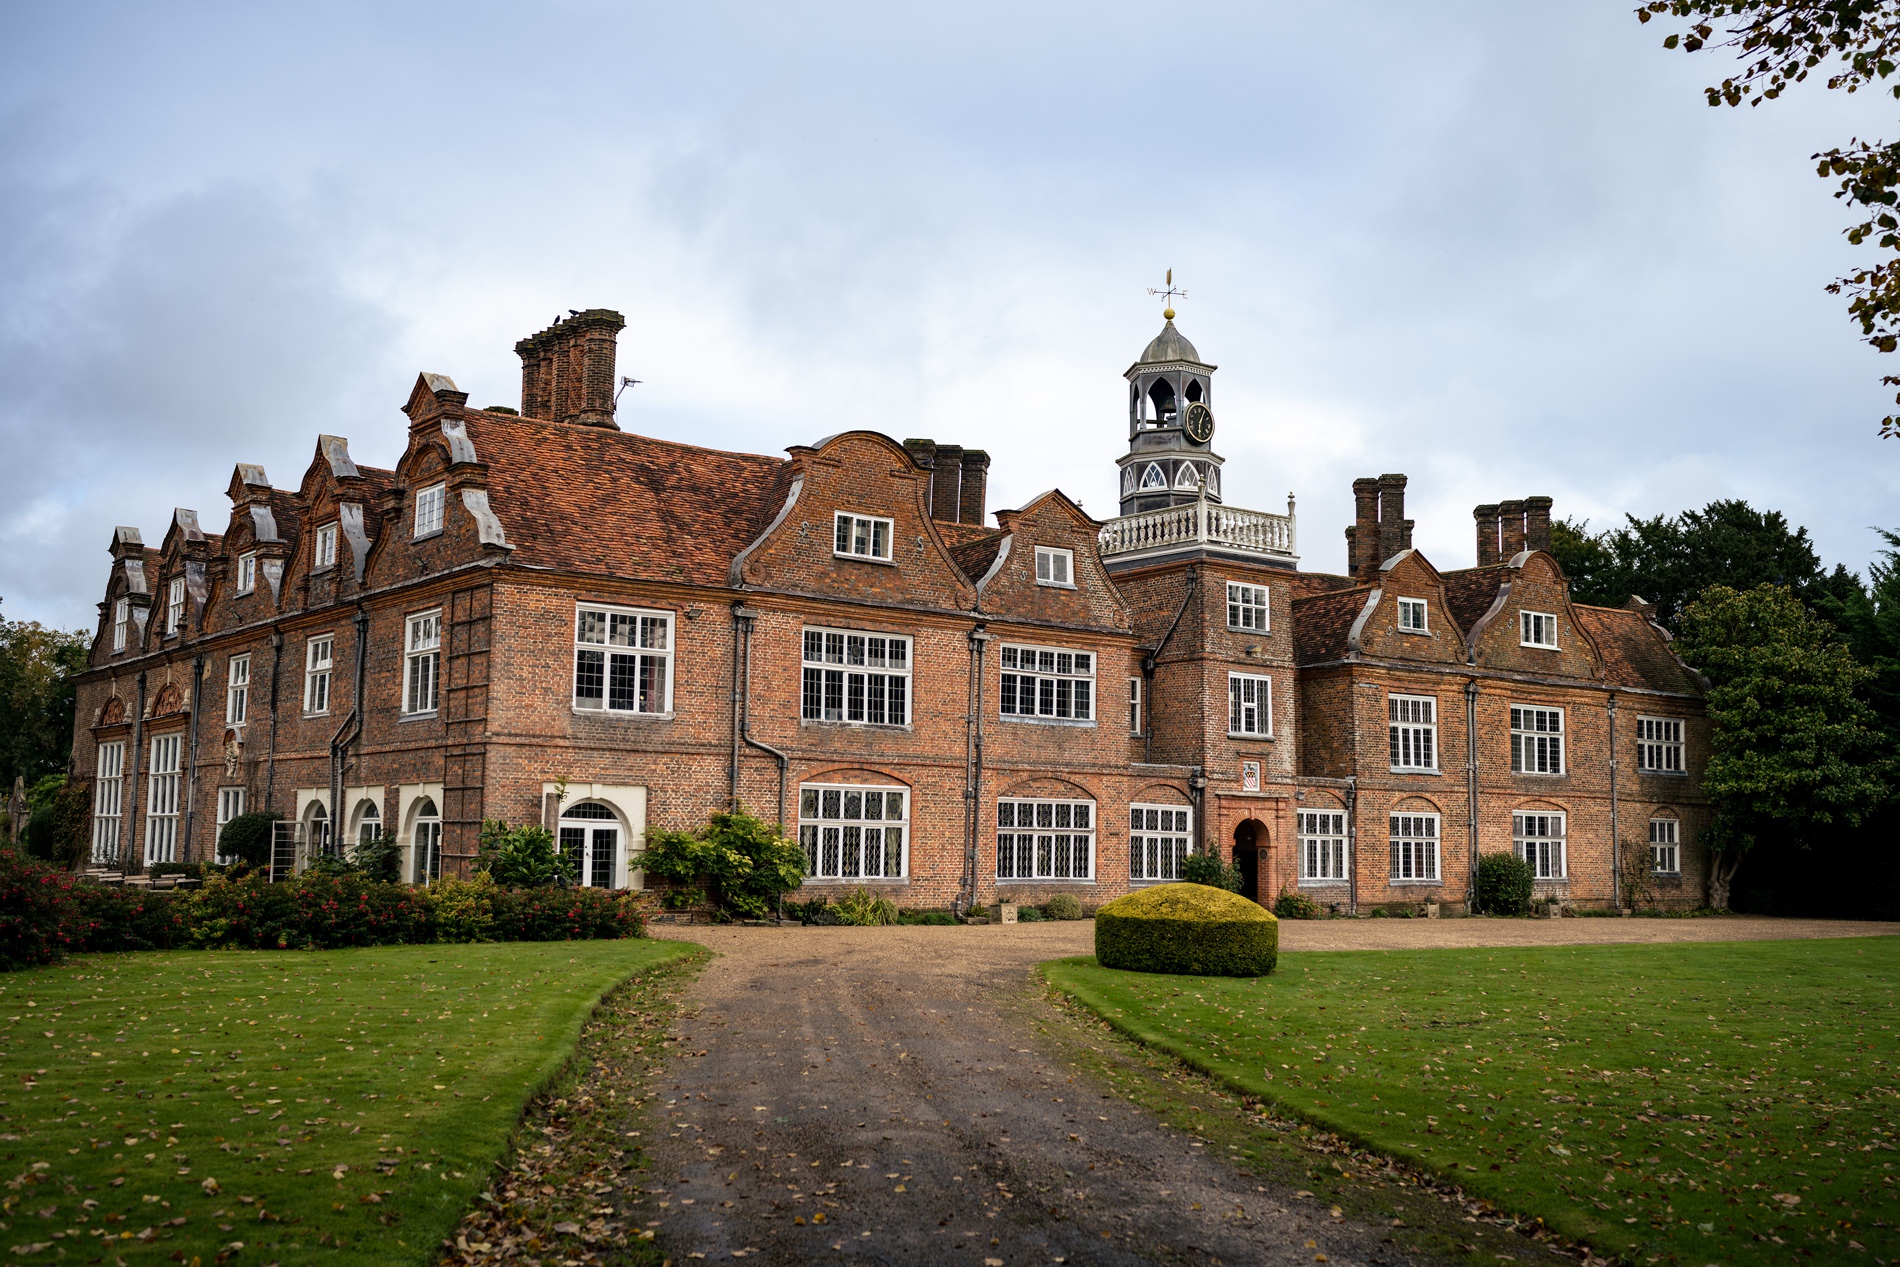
(1169, 296)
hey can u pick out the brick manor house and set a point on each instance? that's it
(537, 616)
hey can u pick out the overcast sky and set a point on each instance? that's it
(1503, 248)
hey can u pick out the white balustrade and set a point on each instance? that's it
(1201, 523)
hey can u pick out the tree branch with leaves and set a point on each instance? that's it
(1851, 44)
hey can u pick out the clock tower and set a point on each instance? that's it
(1170, 426)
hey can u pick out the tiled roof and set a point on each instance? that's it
(1469, 592)
(1634, 651)
(1322, 621)
(1303, 584)
(973, 552)
(590, 499)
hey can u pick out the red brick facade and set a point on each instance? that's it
(532, 614)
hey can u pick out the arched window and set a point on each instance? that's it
(1153, 478)
(316, 828)
(590, 834)
(1162, 394)
(1213, 481)
(1128, 481)
(1187, 477)
(428, 842)
(1193, 392)
(369, 821)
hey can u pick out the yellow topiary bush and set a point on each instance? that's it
(1187, 929)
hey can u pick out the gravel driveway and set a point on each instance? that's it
(872, 1095)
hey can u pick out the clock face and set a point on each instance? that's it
(1200, 422)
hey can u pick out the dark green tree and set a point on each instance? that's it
(1870, 620)
(1669, 560)
(37, 671)
(1848, 44)
(1795, 753)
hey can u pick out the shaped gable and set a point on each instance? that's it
(1530, 625)
(1072, 590)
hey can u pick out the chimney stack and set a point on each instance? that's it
(946, 482)
(1510, 530)
(567, 370)
(970, 501)
(1391, 518)
(1365, 530)
(1487, 517)
(1537, 523)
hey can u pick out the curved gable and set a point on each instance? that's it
(1533, 584)
(1012, 588)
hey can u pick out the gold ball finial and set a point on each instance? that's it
(1167, 314)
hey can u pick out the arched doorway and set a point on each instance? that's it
(590, 834)
(1250, 838)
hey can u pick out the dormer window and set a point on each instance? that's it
(1412, 616)
(326, 547)
(429, 510)
(247, 573)
(1539, 629)
(121, 619)
(175, 605)
(861, 537)
(1055, 567)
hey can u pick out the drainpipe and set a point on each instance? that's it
(1197, 788)
(191, 755)
(745, 617)
(972, 772)
(129, 826)
(1148, 667)
(351, 731)
(1352, 844)
(1616, 837)
(1471, 788)
(732, 760)
(270, 756)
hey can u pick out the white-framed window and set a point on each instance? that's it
(1665, 856)
(1249, 705)
(1539, 629)
(623, 659)
(863, 678)
(237, 691)
(175, 605)
(861, 536)
(1414, 840)
(426, 856)
(326, 547)
(429, 504)
(853, 832)
(1537, 740)
(317, 828)
(108, 798)
(1047, 682)
(1322, 836)
(121, 623)
(1413, 727)
(590, 834)
(247, 572)
(1045, 840)
(1538, 839)
(230, 805)
(1659, 745)
(1246, 606)
(369, 821)
(422, 670)
(1134, 706)
(1055, 566)
(1412, 616)
(1160, 838)
(161, 799)
(319, 658)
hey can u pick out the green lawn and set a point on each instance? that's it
(337, 1106)
(1726, 1103)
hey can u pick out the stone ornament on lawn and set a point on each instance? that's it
(1189, 930)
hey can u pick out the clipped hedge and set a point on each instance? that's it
(1505, 884)
(1189, 930)
(47, 913)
